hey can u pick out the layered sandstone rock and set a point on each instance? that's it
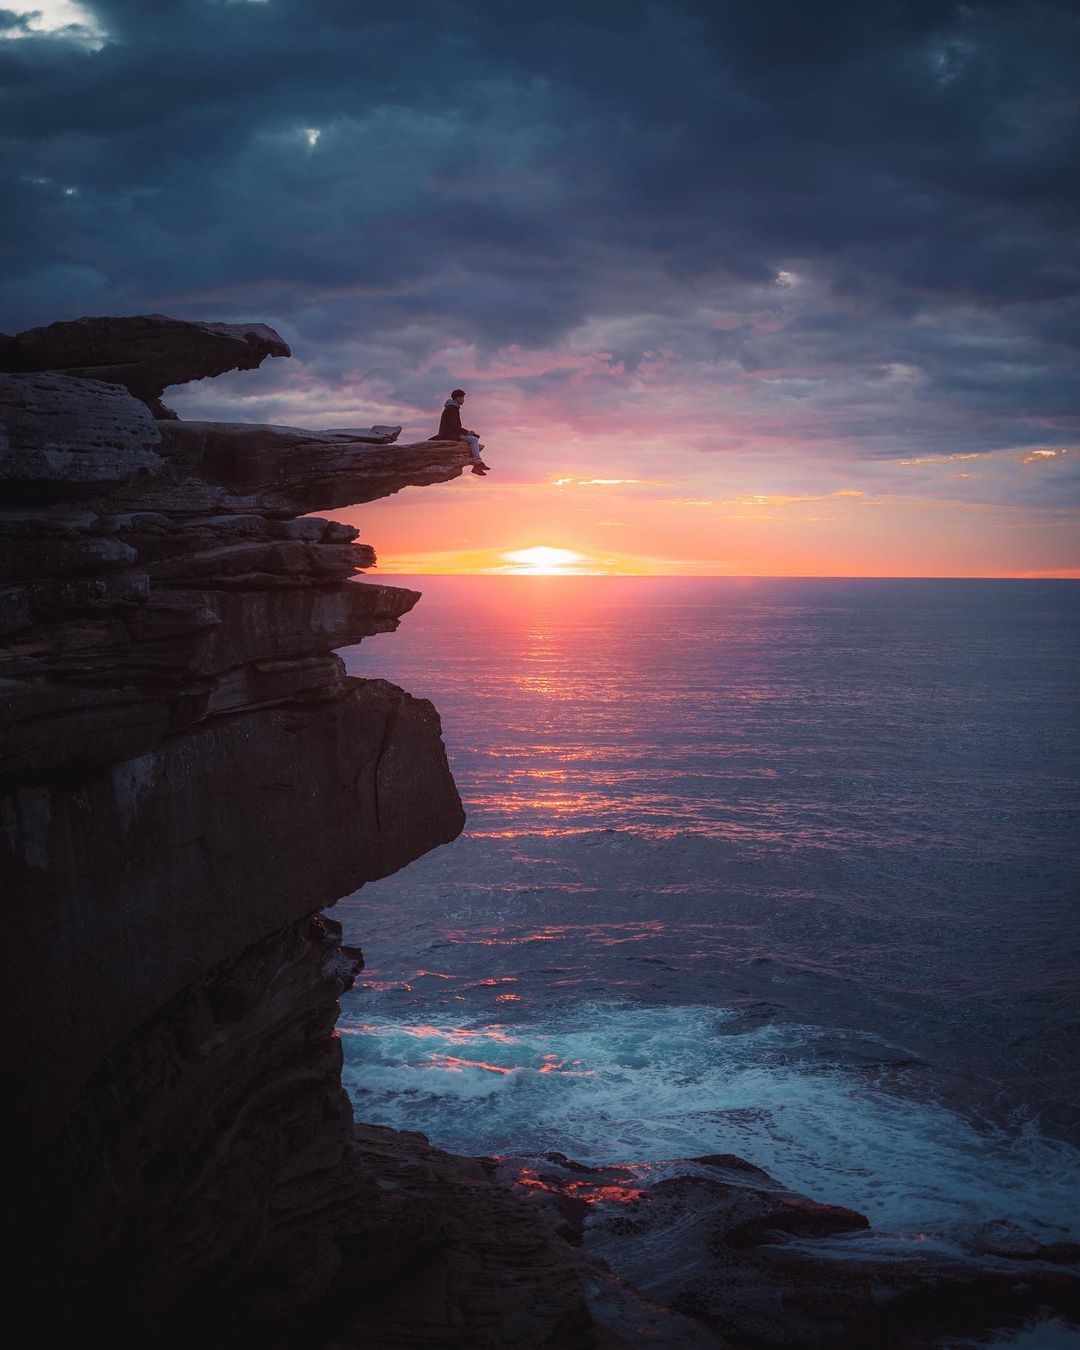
(60, 437)
(144, 353)
(187, 777)
(237, 468)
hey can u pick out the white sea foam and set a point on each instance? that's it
(1042, 1336)
(610, 1083)
(844, 808)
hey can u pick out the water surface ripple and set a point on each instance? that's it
(779, 868)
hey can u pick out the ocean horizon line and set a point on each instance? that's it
(710, 576)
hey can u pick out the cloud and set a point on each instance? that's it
(657, 228)
(63, 19)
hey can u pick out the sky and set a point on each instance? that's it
(735, 288)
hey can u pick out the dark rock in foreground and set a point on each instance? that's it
(219, 1141)
(722, 1242)
(435, 1254)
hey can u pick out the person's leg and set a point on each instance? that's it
(478, 465)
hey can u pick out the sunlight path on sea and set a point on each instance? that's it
(775, 868)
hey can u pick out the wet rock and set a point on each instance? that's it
(478, 1266)
(742, 1205)
(1000, 1237)
(723, 1242)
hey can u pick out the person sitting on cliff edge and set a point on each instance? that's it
(450, 429)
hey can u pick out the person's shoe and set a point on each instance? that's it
(480, 467)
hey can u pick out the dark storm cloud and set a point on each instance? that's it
(502, 174)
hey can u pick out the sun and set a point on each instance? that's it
(542, 561)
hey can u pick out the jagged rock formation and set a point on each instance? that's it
(760, 1265)
(187, 777)
(170, 646)
(144, 353)
(236, 468)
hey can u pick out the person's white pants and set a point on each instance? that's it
(474, 445)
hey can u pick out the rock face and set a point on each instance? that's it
(757, 1264)
(145, 353)
(187, 777)
(234, 468)
(281, 802)
(62, 437)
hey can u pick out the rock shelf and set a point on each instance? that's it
(188, 777)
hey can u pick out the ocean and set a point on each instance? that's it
(781, 868)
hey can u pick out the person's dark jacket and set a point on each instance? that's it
(449, 423)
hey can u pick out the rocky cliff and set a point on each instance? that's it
(187, 778)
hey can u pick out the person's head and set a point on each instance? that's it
(458, 395)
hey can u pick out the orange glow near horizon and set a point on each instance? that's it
(740, 518)
(537, 560)
(544, 561)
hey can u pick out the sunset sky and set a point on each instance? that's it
(735, 288)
